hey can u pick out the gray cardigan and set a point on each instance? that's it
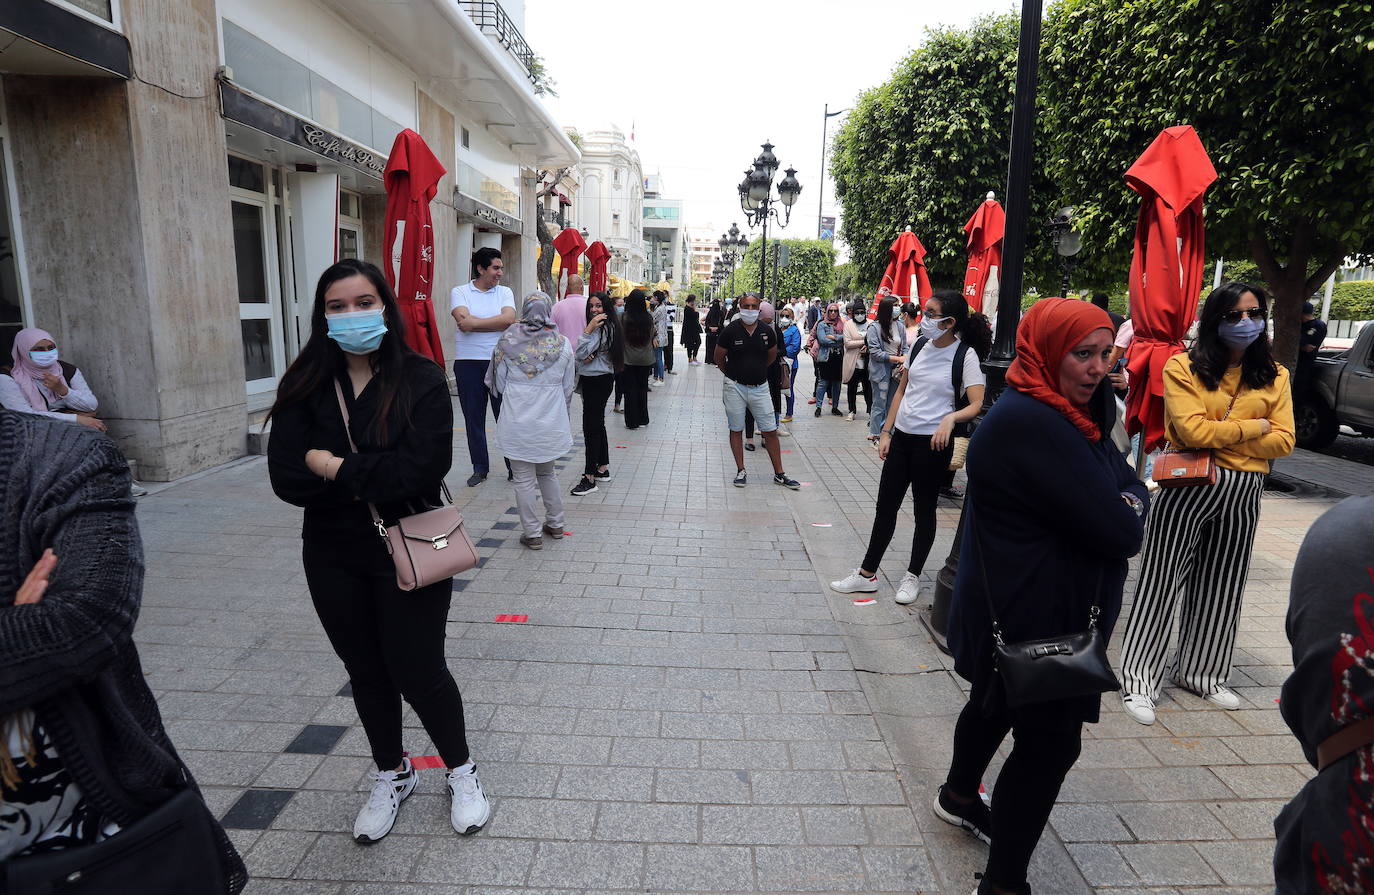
(593, 357)
(879, 367)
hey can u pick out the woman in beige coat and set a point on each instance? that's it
(856, 357)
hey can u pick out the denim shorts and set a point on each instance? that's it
(755, 398)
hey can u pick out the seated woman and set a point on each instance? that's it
(38, 382)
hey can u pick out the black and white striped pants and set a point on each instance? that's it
(1197, 547)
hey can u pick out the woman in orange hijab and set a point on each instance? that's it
(1052, 515)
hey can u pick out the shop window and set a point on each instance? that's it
(101, 9)
(615, 225)
(257, 349)
(248, 253)
(466, 138)
(245, 175)
(350, 205)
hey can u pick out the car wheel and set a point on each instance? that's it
(1315, 424)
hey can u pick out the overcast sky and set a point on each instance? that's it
(701, 97)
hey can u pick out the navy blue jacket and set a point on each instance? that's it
(1044, 507)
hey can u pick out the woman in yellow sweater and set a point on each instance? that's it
(1226, 394)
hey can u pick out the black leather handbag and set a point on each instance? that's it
(1063, 667)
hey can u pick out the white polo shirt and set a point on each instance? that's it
(478, 346)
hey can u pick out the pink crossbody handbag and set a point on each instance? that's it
(426, 547)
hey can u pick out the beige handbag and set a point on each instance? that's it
(426, 547)
(956, 459)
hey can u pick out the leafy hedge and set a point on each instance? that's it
(1353, 300)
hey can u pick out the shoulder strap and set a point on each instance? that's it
(916, 349)
(353, 448)
(68, 371)
(956, 375)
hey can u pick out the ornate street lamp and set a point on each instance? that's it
(1068, 242)
(757, 202)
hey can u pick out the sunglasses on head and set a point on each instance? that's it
(1234, 315)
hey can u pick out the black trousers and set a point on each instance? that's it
(596, 390)
(710, 347)
(391, 643)
(857, 382)
(693, 345)
(619, 379)
(1047, 743)
(668, 351)
(634, 384)
(910, 464)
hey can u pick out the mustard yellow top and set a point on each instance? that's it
(1193, 416)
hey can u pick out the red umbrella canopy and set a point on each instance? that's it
(1171, 177)
(569, 245)
(412, 177)
(906, 259)
(985, 230)
(597, 256)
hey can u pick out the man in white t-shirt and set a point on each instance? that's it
(483, 309)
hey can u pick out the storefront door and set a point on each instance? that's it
(257, 259)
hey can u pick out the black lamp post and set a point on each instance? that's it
(1068, 242)
(757, 202)
(733, 245)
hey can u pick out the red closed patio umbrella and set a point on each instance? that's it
(597, 256)
(412, 178)
(905, 260)
(569, 245)
(1172, 176)
(985, 230)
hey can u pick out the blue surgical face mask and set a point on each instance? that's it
(43, 358)
(749, 317)
(1241, 333)
(620, 309)
(930, 327)
(786, 322)
(357, 332)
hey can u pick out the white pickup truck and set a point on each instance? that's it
(1341, 394)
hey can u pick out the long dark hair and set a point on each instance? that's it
(639, 323)
(972, 328)
(885, 309)
(910, 309)
(610, 329)
(321, 360)
(1211, 356)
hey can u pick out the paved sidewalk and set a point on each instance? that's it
(686, 708)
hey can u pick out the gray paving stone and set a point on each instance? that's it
(540, 819)
(1175, 820)
(475, 860)
(606, 784)
(596, 866)
(335, 856)
(624, 822)
(810, 869)
(1103, 865)
(1089, 823)
(703, 787)
(1241, 863)
(277, 852)
(751, 825)
(1168, 864)
(699, 868)
(898, 869)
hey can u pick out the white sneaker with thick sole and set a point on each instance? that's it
(1140, 708)
(1224, 698)
(389, 790)
(909, 591)
(855, 583)
(471, 810)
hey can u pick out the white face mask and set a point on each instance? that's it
(930, 327)
(749, 317)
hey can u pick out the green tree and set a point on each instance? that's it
(1281, 102)
(810, 268)
(924, 149)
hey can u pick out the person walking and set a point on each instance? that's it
(746, 351)
(1226, 395)
(887, 347)
(1323, 836)
(482, 308)
(86, 766)
(533, 366)
(639, 359)
(600, 358)
(659, 312)
(691, 330)
(1053, 514)
(791, 349)
(829, 357)
(39, 381)
(855, 370)
(400, 416)
(940, 391)
(715, 319)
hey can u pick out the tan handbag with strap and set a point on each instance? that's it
(426, 547)
(1178, 468)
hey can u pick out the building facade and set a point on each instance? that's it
(705, 252)
(610, 200)
(169, 228)
(665, 236)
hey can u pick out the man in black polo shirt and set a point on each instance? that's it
(744, 352)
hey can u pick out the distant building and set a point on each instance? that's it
(705, 249)
(665, 237)
(610, 200)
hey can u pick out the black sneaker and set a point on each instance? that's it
(780, 478)
(974, 816)
(818, 410)
(835, 411)
(749, 446)
(476, 479)
(603, 476)
(741, 479)
(583, 486)
(952, 492)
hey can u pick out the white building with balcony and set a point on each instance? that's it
(210, 191)
(610, 200)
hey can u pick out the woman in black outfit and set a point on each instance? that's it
(691, 329)
(715, 319)
(401, 418)
(639, 359)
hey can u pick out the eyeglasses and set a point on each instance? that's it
(1234, 315)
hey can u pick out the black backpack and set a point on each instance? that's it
(956, 376)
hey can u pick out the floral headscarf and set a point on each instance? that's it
(533, 342)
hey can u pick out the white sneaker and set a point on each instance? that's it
(849, 418)
(855, 583)
(1224, 698)
(1140, 708)
(389, 790)
(471, 810)
(909, 591)
(784, 433)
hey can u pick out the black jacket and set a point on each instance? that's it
(400, 472)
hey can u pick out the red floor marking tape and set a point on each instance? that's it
(623, 447)
(566, 533)
(869, 602)
(787, 450)
(425, 762)
(512, 619)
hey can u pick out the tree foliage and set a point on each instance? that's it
(810, 268)
(1278, 90)
(924, 149)
(1353, 300)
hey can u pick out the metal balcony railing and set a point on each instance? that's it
(491, 17)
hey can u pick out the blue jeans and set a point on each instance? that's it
(469, 375)
(792, 392)
(830, 387)
(658, 363)
(882, 392)
(1149, 458)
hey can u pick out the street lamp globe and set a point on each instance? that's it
(768, 160)
(789, 188)
(759, 184)
(741, 246)
(745, 203)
